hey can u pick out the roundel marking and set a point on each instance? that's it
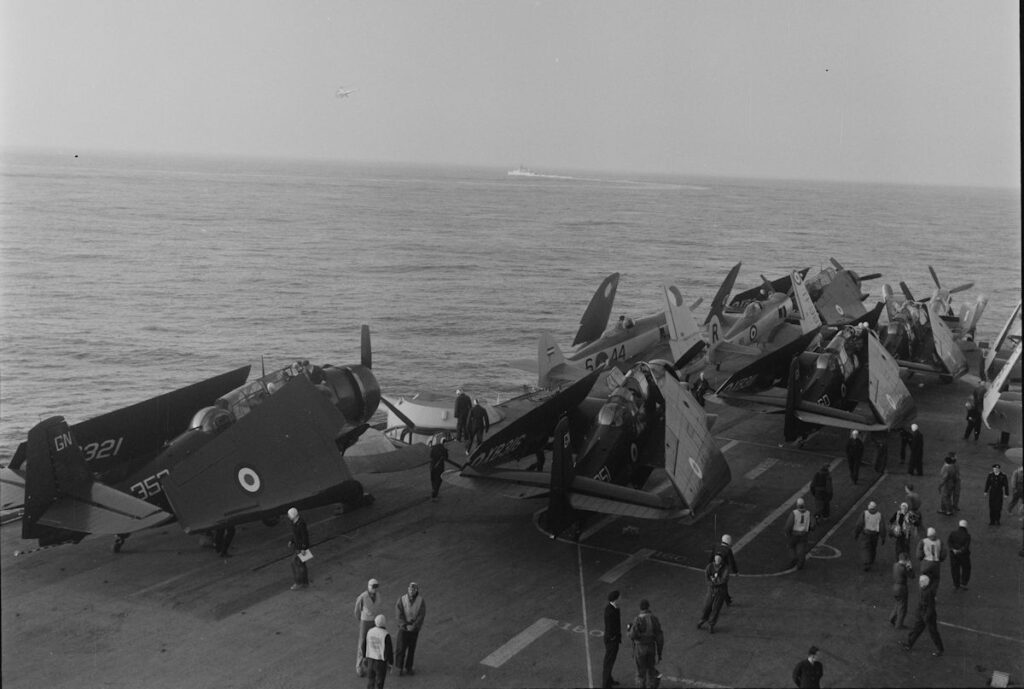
(753, 333)
(634, 453)
(600, 359)
(696, 468)
(839, 310)
(249, 480)
(797, 279)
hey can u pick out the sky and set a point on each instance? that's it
(921, 92)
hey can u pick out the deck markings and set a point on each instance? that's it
(518, 642)
(778, 512)
(629, 563)
(586, 625)
(729, 445)
(978, 631)
(600, 524)
(764, 466)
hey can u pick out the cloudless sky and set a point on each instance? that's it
(902, 91)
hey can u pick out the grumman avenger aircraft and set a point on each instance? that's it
(643, 451)
(821, 379)
(762, 324)
(918, 338)
(247, 455)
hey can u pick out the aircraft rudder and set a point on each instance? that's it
(809, 317)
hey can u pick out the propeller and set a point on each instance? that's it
(723, 293)
(958, 288)
(906, 291)
(869, 276)
(366, 359)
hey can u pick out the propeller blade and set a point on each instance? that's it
(723, 293)
(935, 277)
(694, 305)
(870, 276)
(961, 288)
(836, 264)
(405, 419)
(366, 354)
(906, 291)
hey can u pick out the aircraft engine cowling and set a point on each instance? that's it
(356, 391)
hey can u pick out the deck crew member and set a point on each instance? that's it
(299, 544)
(368, 606)
(931, 552)
(869, 532)
(927, 616)
(612, 638)
(379, 654)
(916, 465)
(477, 424)
(410, 611)
(462, 406)
(902, 573)
(960, 556)
(809, 671)
(821, 489)
(717, 576)
(901, 529)
(438, 456)
(996, 486)
(724, 548)
(854, 455)
(648, 644)
(798, 526)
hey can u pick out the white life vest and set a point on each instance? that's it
(375, 643)
(931, 549)
(801, 521)
(872, 522)
(411, 609)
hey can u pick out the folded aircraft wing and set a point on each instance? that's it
(1013, 324)
(891, 402)
(839, 302)
(947, 350)
(281, 453)
(595, 318)
(992, 402)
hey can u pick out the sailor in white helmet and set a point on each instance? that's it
(798, 526)
(379, 654)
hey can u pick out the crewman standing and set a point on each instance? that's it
(947, 485)
(869, 532)
(916, 465)
(821, 489)
(798, 527)
(300, 549)
(724, 548)
(612, 638)
(959, 542)
(931, 552)
(478, 423)
(996, 486)
(462, 406)
(379, 653)
(854, 455)
(438, 456)
(717, 576)
(369, 604)
(411, 611)
(902, 573)
(648, 644)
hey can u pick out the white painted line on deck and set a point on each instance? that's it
(761, 468)
(978, 631)
(167, 581)
(586, 625)
(729, 445)
(519, 642)
(629, 563)
(777, 512)
(608, 519)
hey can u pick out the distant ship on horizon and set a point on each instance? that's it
(522, 171)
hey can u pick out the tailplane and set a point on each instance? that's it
(62, 501)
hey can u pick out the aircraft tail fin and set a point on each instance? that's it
(595, 318)
(718, 303)
(993, 392)
(552, 367)
(560, 514)
(62, 501)
(686, 340)
(970, 315)
(809, 318)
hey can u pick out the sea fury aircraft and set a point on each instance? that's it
(762, 325)
(1010, 334)
(624, 342)
(644, 450)
(686, 346)
(919, 339)
(825, 379)
(249, 454)
(343, 92)
(961, 323)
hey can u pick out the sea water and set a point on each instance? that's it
(122, 277)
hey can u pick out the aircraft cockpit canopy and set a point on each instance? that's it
(753, 309)
(240, 401)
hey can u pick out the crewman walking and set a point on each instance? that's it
(478, 423)
(869, 532)
(717, 576)
(462, 406)
(438, 456)
(927, 616)
(902, 573)
(798, 526)
(724, 548)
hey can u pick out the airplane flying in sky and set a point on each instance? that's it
(246, 454)
(644, 450)
(821, 379)
(343, 92)
(919, 339)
